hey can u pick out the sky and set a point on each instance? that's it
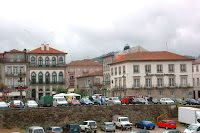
(89, 28)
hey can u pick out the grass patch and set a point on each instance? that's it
(22, 128)
(98, 128)
(179, 124)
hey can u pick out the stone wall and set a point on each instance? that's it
(61, 115)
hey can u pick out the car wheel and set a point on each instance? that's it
(131, 128)
(158, 126)
(95, 131)
(136, 126)
(114, 131)
(122, 128)
(86, 130)
(166, 127)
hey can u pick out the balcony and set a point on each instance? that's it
(46, 66)
(97, 84)
(47, 83)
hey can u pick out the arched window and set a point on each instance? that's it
(33, 78)
(40, 61)
(40, 89)
(47, 90)
(60, 77)
(61, 60)
(53, 61)
(47, 61)
(32, 60)
(54, 77)
(47, 78)
(40, 78)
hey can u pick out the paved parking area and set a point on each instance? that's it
(156, 130)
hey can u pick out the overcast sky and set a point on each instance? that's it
(86, 29)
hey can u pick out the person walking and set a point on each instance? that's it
(146, 101)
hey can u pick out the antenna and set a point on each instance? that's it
(166, 46)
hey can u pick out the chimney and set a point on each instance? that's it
(42, 48)
(47, 47)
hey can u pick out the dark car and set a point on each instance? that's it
(171, 131)
(71, 128)
(139, 131)
(86, 102)
(176, 100)
(156, 101)
(190, 101)
(145, 125)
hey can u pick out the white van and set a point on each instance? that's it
(193, 128)
(59, 101)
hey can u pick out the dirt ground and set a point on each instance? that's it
(12, 130)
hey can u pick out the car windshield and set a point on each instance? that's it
(109, 125)
(38, 131)
(87, 100)
(3, 103)
(193, 100)
(192, 127)
(17, 102)
(72, 126)
(147, 122)
(171, 122)
(124, 119)
(61, 99)
(168, 99)
(178, 99)
(32, 102)
(115, 98)
(92, 123)
(57, 129)
(141, 99)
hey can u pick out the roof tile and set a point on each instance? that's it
(45, 51)
(87, 62)
(197, 61)
(97, 73)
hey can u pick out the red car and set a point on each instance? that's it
(75, 103)
(166, 124)
(126, 99)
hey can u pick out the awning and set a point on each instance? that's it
(71, 89)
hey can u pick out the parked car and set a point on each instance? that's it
(108, 126)
(136, 101)
(59, 101)
(155, 101)
(3, 105)
(145, 125)
(176, 100)
(71, 128)
(193, 128)
(31, 104)
(141, 100)
(122, 122)
(86, 102)
(54, 130)
(35, 129)
(190, 101)
(74, 103)
(96, 101)
(127, 100)
(140, 131)
(167, 124)
(166, 101)
(46, 101)
(16, 104)
(172, 131)
(88, 126)
(114, 101)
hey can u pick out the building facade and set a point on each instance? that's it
(79, 68)
(157, 74)
(92, 83)
(196, 78)
(46, 71)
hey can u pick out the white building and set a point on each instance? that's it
(157, 74)
(196, 78)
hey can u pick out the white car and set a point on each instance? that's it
(193, 128)
(113, 101)
(31, 104)
(166, 101)
(59, 101)
(35, 129)
(89, 126)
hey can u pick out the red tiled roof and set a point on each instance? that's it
(14, 51)
(45, 51)
(97, 73)
(152, 56)
(1, 55)
(197, 61)
(87, 62)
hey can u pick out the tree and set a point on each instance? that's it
(81, 92)
(60, 90)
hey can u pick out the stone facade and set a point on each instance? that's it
(59, 116)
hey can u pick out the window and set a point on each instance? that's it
(78, 69)
(124, 70)
(147, 68)
(115, 70)
(184, 93)
(71, 76)
(183, 67)
(22, 69)
(120, 82)
(47, 61)
(61, 60)
(171, 93)
(15, 70)
(197, 81)
(71, 70)
(71, 84)
(197, 68)
(183, 81)
(54, 77)
(160, 82)
(40, 61)
(171, 82)
(32, 60)
(171, 68)
(148, 93)
(33, 78)
(9, 82)
(47, 78)
(11, 58)
(97, 69)
(40, 78)
(9, 69)
(192, 68)
(60, 77)
(15, 82)
(112, 71)
(124, 82)
(53, 61)
(119, 70)
(85, 70)
(18, 58)
(148, 82)
(193, 82)
(136, 69)
(136, 83)
(160, 93)
(159, 68)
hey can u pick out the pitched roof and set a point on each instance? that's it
(96, 73)
(14, 51)
(87, 62)
(197, 61)
(1, 55)
(152, 56)
(45, 51)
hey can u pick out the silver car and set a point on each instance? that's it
(54, 130)
(108, 126)
(114, 101)
(31, 104)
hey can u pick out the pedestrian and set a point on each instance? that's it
(20, 105)
(146, 101)
(198, 100)
(150, 99)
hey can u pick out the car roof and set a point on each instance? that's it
(108, 122)
(196, 124)
(167, 120)
(72, 124)
(35, 127)
(89, 121)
